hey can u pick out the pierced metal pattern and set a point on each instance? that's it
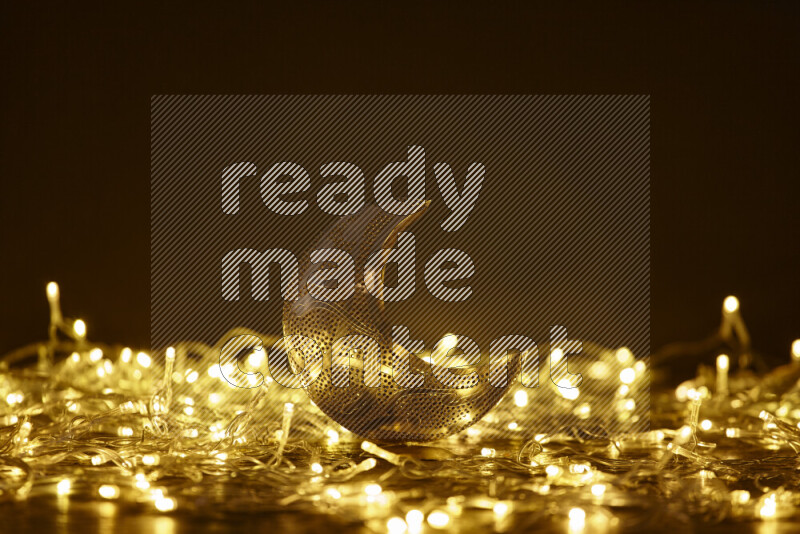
(386, 412)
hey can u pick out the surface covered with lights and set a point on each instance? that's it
(91, 422)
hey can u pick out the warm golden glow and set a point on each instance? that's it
(438, 519)
(52, 291)
(143, 359)
(577, 519)
(79, 327)
(108, 491)
(624, 355)
(627, 375)
(165, 504)
(396, 525)
(598, 490)
(500, 509)
(373, 490)
(64, 486)
(768, 507)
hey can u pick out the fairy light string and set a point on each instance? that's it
(92, 420)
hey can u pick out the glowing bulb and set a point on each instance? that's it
(500, 509)
(567, 390)
(396, 525)
(627, 375)
(723, 362)
(317, 468)
(598, 490)
(796, 349)
(705, 424)
(555, 356)
(79, 327)
(256, 358)
(521, 398)
(577, 519)
(165, 504)
(150, 459)
(580, 468)
(552, 471)
(414, 519)
(143, 359)
(438, 519)
(63, 487)
(126, 354)
(108, 491)
(373, 490)
(52, 290)
(191, 376)
(513, 425)
(333, 436)
(214, 398)
(141, 481)
(740, 496)
(624, 355)
(730, 304)
(487, 452)
(334, 493)
(768, 508)
(227, 370)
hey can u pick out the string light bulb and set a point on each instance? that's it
(396, 525)
(79, 327)
(730, 304)
(64, 486)
(108, 491)
(438, 519)
(203, 427)
(723, 364)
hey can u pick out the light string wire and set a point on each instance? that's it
(86, 419)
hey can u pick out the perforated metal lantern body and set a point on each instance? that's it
(386, 411)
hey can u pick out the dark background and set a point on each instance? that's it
(77, 82)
